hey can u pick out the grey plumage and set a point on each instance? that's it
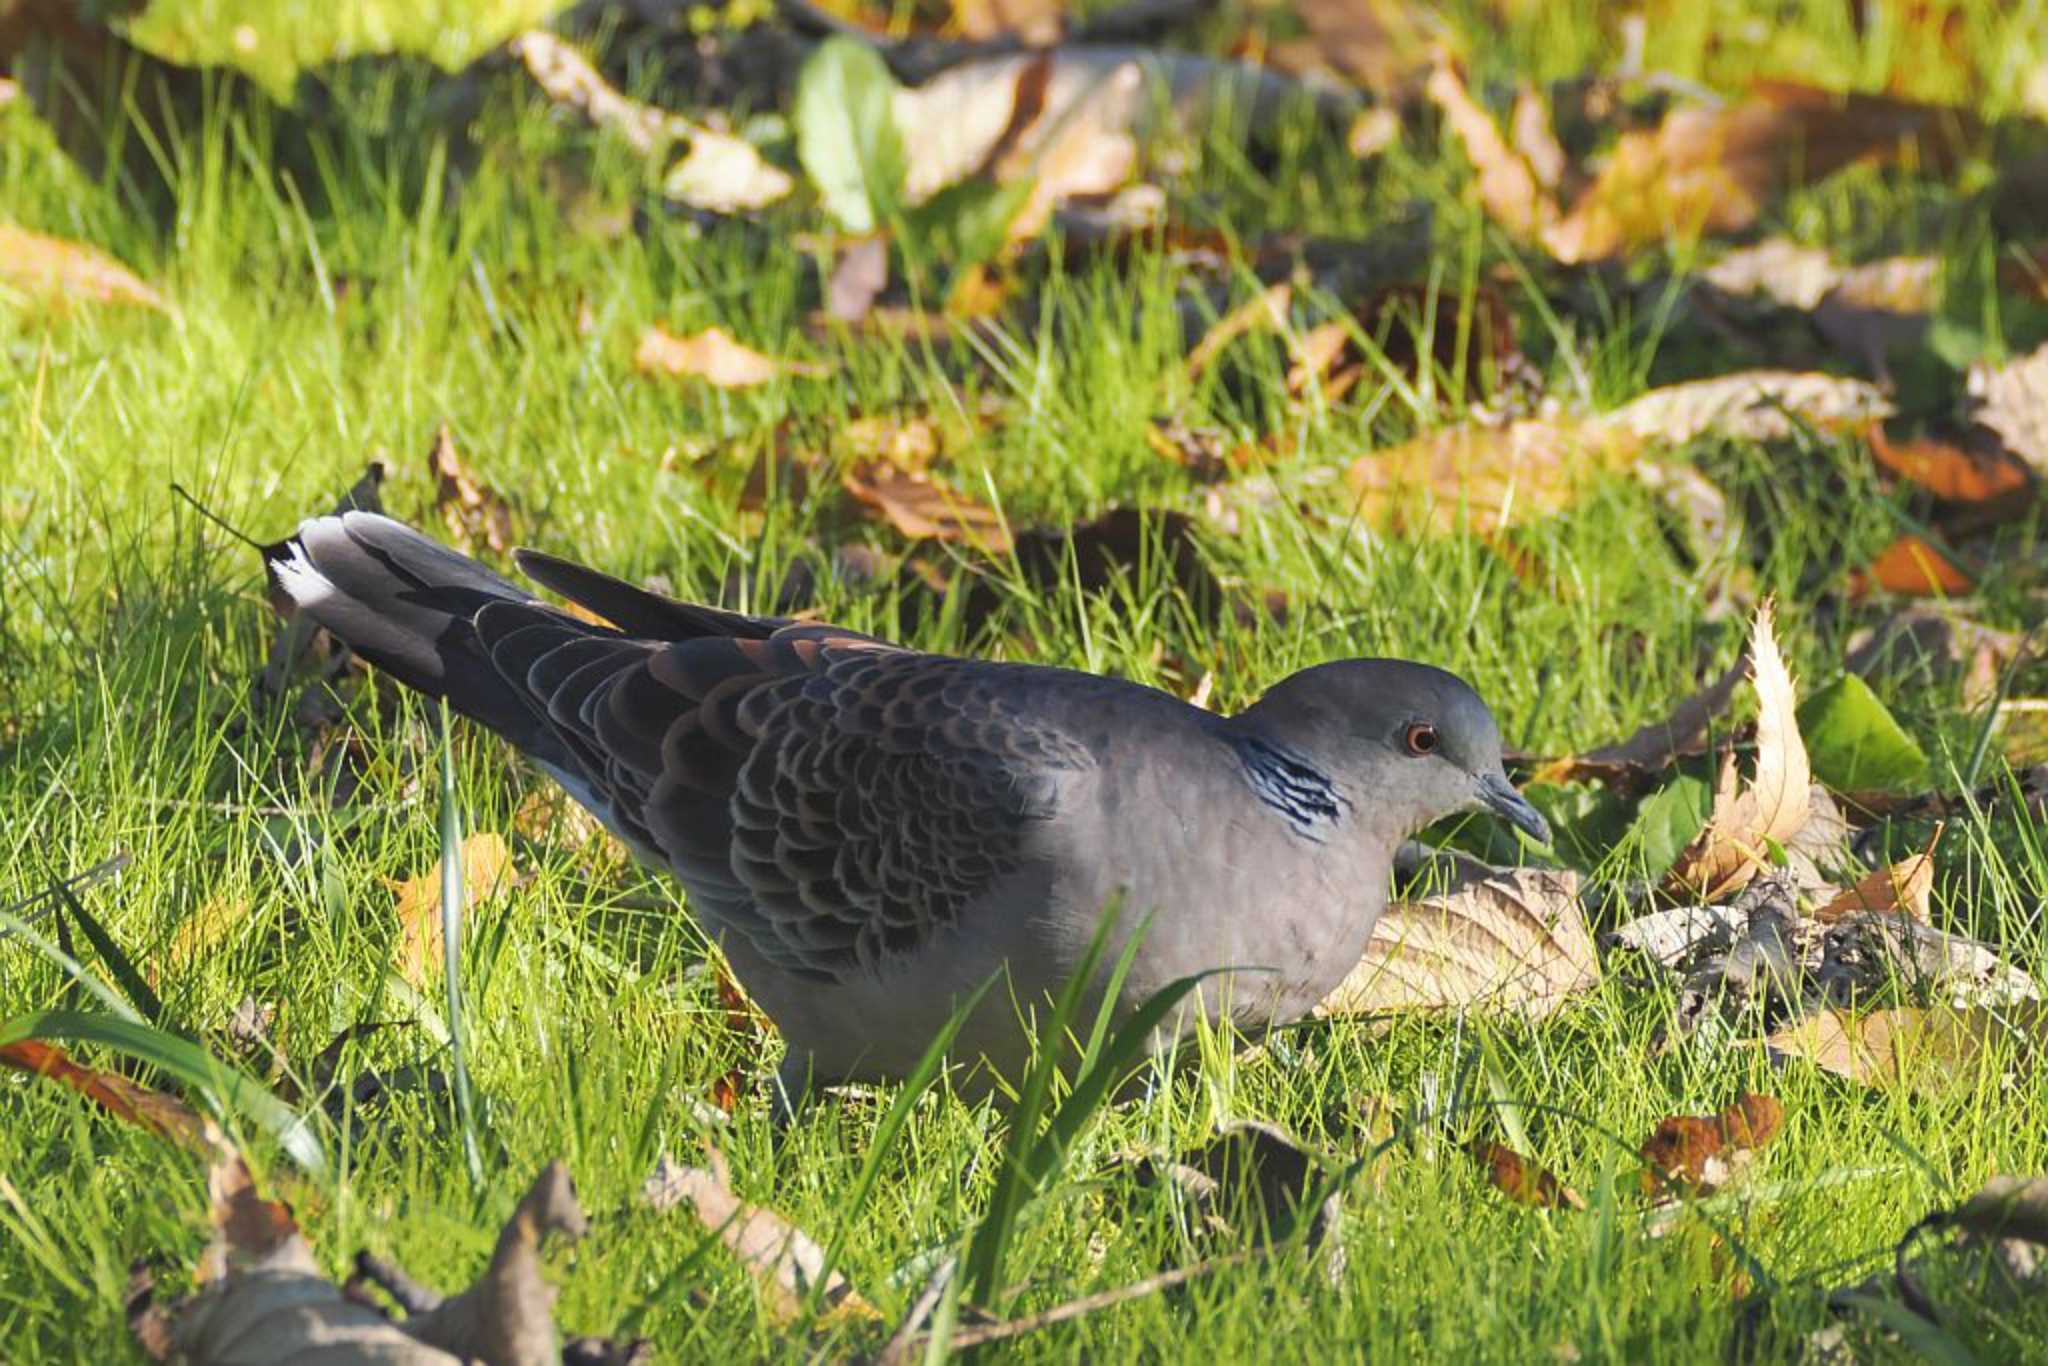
(872, 832)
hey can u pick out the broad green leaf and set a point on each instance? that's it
(1669, 820)
(1853, 742)
(846, 133)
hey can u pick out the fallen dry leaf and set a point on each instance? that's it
(1951, 470)
(1750, 405)
(2012, 400)
(1509, 186)
(1505, 939)
(475, 514)
(1654, 747)
(487, 872)
(1904, 888)
(1914, 1048)
(1486, 477)
(717, 172)
(54, 271)
(715, 357)
(921, 507)
(1713, 170)
(265, 1299)
(858, 278)
(1702, 1153)
(1036, 23)
(1265, 313)
(1521, 1179)
(1911, 567)
(784, 1261)
(154, 1110)
(1089, 152)
(1775, 804)
(1255, 1179)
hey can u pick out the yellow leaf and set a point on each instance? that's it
(61, 272)
(487, 872)
(715, 357)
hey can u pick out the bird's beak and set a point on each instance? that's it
(1498, 795)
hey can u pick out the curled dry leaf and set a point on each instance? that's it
(487, 872)
(477, 516)
(1911, 567)
(1509, 187)
(1902, 889)
(784, 1261)
(56, 272)
(716, 358)
(1265, 313)
(921, 507)
(161, 1114)
(1521, 1179)
(1920, 1049)
(1654, 747)
(717, 172)
(1509, 939)
(1775, 804)
(1938, 644)
(1705, 1152)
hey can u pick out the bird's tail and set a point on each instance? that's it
(408, 605)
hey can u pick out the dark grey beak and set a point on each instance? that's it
(1498, 795)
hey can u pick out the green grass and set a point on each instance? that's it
(315, 331)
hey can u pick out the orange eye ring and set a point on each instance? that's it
(1421, 738)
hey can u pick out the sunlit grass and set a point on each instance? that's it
(307, 343)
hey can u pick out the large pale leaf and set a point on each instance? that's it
(1776, 802)
(1929, 1049)
(1510, 939)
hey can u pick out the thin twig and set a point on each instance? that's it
(77, 882)
(977, 1334)
(898, 1347)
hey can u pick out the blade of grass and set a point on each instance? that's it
(451, 952)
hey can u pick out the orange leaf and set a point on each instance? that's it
(475, 513)
(1948, 470)
(1903, 889)
(1704, 1151)
(487, 872)
(1267, 312)
(715, 357)
(1521, 1180)
(161, 1114)
(1911, 566)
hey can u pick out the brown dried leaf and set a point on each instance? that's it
(922, 508)
(1780, 269)
(1951, 470)
(1702, 1153)
(487, 872)
(858, 278)
(1775, 804)
(1509, 186)
(1036, 23)
(53, 271)
(161, 1114)
(1198, 450)
(1492, 477)
(1905, 888)
(1712, 170)
(1521, 1179)
(1912, 1048)
(475, 514)
(1380, 45)
(508, 1315)
(715, 357)
(1913, 568)
(906, 443)
(1654, 747)
(784, 1261)
(1508, 939)
(1267, 312)
(1941, 644)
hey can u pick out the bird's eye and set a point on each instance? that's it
(1420, 737)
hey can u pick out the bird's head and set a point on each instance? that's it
(1398, 737)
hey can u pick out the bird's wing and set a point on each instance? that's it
(834, 798)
